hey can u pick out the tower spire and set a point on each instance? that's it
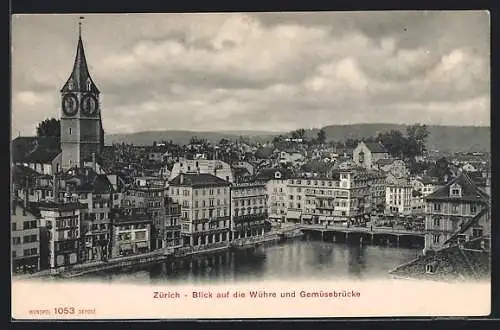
(80, 26)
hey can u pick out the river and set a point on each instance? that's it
(292, 260)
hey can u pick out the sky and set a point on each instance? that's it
(258, 71)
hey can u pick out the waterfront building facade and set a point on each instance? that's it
(61, 232)
(277, 191)
(168, 228)
(130, 232)
(399, 198)
(248, 209)
(25, 237)
(205, 206)
(452, 208)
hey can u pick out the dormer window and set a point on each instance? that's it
(455, 191)
(70, 85)
(430, 268)
(89, 84)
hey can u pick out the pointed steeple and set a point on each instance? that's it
(80, 80)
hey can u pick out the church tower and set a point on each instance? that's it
(82, 135)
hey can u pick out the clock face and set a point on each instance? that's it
(70, 104)
(89, 105)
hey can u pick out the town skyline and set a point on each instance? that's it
(213, 72)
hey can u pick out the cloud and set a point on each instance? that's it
(260, 71)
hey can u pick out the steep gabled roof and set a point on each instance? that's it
(470, 191)
(80, 73)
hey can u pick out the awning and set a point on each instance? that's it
(329, 218)
(293, 215)
(142, 244)
(126, 246)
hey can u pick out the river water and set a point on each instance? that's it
(297, 259)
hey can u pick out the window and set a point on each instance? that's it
(436, 238)
(437, 207)
(436, 221)
(454, 208)
(14, 226)
(477, 232)
(16, 240)
(141, 235)
(473, 209)
(70, 131)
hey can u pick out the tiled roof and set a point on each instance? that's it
(41, 155)
(450, 264)
(269, 173)
(375, 147)
(470, 191)
(198, 180)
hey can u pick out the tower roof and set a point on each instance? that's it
(80, 75)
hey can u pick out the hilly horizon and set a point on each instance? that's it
(443, 138)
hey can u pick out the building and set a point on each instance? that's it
(452, 208)
(343, 197)
(248, 209)
(366, 154)
(216, 168)
(25, 235)
(205, 206)
(146, 192)
(96, 192)
(130, 232)
(398, 199)
(31, 185)
(168, 228)
(60, 222)
(277, 192)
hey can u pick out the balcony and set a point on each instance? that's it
(250, 217)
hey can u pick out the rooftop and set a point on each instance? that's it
(198, 180)
(470, 191)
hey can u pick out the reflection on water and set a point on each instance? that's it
(297, 259)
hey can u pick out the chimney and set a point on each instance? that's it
(93, 161)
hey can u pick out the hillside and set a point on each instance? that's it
(444, 138)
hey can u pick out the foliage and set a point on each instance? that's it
(321, 138)
(49, 128)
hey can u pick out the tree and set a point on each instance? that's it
(394, 142)
(49, 133)
(49, 128)
(417, 138)
(351, 143)
(321, 138)
(224, 142)
(441, 169)
(299, 133)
